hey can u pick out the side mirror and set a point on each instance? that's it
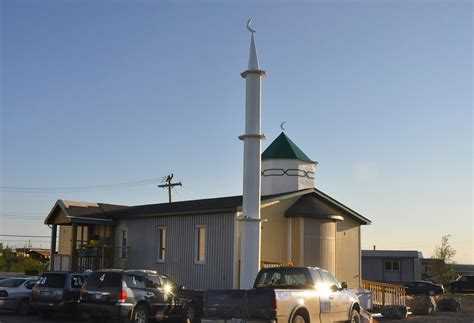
(334, 288)
(344, 285)
(180, 287)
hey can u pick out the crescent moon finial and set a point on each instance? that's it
(282, 125)
(249, 22)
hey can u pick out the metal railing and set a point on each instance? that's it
(384, 293)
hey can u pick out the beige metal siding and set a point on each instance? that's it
(275, 232)
(320, 243)
(180, 264)
(348, 252)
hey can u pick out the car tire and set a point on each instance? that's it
(190, 314)
(45, 314)
(23, 307)
(355, 317)
(140, 314)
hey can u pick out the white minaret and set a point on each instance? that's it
(250, 221)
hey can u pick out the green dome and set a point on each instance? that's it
(283, 148)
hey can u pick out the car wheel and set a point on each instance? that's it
(23, 307)
(355, 317)
(190, 313)
(140, 314)
(44, 313)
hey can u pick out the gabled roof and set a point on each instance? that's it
(283, 148)
(79, 209)
(313, 206)
(233, 204)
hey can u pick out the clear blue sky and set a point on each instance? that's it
(378, 92)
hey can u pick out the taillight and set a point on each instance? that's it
(3, 293)
(122, 296)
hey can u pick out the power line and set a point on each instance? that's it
(21, 189)
(21, 236)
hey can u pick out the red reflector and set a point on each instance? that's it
(122, 296)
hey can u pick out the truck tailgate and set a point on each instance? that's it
(243, 304)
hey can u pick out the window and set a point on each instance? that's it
(104, 279)
(135, 281)
(391, 265)
(329, 279)
(200, 242)
(77, 281)
(161, 243)
(52, 280)
(123, 244)
(153, 281)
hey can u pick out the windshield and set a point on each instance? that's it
(284, 278)
(11, 282)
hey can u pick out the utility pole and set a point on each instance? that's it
(169, 185)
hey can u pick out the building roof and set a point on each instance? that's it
(232, 204)
(80, 209)
(89, 212)
(313, 206)
(283, 148)
(392, 253)
(211, 205)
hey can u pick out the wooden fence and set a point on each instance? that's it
(385, 294)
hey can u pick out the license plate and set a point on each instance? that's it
(46, 294)
(98, 296)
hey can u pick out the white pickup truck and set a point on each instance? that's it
(284, 294)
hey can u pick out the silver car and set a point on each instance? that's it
(15, 294)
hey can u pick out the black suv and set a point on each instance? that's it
(137, 295)
(57, 292)
(464, 283)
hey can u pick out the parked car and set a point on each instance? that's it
(15, 293)
(285, 294)
(421, 287)
(138, 295)
(464, 283)
(57, 292)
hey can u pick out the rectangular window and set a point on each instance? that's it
(391, 265)
(200, 242)
(161, 243)
(123, 244)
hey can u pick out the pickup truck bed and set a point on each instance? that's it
(243, 304)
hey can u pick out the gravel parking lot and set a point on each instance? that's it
(11, 317)
(465, 315)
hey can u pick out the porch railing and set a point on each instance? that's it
(385, 294)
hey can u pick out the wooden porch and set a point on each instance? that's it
(384, 293)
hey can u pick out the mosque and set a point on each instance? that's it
(221, 243)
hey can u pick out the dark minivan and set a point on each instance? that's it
(137, 295)
(57, 292)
